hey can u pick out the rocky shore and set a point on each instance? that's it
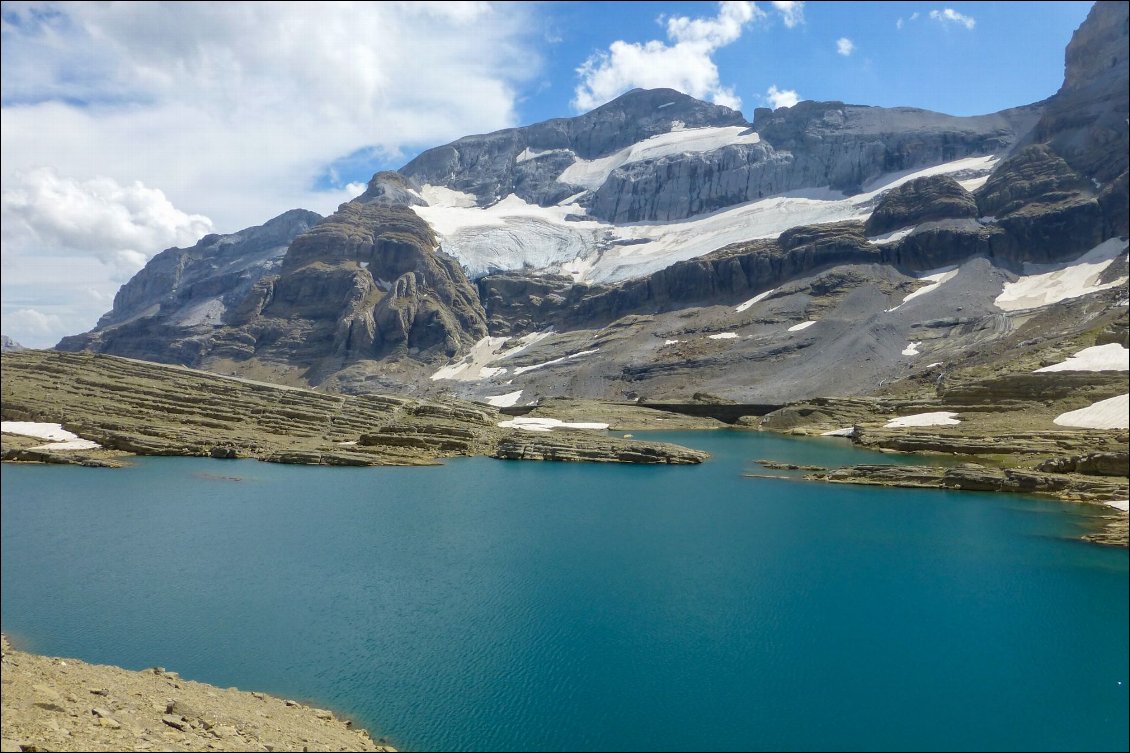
(65, 704)
(133, 407)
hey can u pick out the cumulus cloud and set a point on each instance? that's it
(231, 111)
(845, 46)
(117, 224)
(685, 64)
(949, 16)
(792, 13)
(782, 97)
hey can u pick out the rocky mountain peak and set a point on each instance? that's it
(8, 345)
(387, 187)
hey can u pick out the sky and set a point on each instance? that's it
(128, 128)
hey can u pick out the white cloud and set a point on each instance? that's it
(232, 111)
(792, 13)
(117, 224)
(686, 64)
(845, 46)
(951, 16)
(898, 24)
(41, 326)
(782, 97)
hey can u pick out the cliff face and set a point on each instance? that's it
(365, 283)
(809, 145)
(1085, 122)
(527, 161)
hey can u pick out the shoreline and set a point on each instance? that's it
(53, 703)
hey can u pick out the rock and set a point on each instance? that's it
(181, 709)
(1085, 122)
(99, 691)
(487, 166)
(7, 344)
(224, 452)
(1033, 178)
(577, 447)
(323, 714)
(175, 722)
(109, 723)
(936, 197)
(100, 712)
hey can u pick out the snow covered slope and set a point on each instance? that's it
(513, 234)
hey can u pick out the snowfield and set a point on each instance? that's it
(1105, 414)
(58, 437)
(1109, 357)
(939, 418)
(1045, 284)
(512, 234)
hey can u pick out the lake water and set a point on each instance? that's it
(510, 605)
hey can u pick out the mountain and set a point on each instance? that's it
(8, 345)
(660, 246)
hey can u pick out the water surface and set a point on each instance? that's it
(509, 605)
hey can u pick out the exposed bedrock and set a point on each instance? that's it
(1085, 122)
(488, 165)
(809, 145)
(936, 197)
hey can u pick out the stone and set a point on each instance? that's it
(175, 722)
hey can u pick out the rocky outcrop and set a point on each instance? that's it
(936, 197)
(142, 408)
(7, 344)
(67, 704)
(366, 283)
(527, 161)
(1091, 464)
(169, 310)
(1085, 122)
(979, 478)
(575, 446)
(1033, 180)
(809, 145)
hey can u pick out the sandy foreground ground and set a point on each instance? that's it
(65, 704)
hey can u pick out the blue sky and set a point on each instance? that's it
(128, 128)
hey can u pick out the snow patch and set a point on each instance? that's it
(523, 369)
(1045, 284)
(593, 173)
(935, 363)
(936, 280)
(547, 424)
(505, 401)
(891, 237)
(847, 431)
(1105, 414)
(756, 299)
(1120, 504)
(442, 196)
(724, 336)
(912, 349)
(670, 342)
(802, 325)
(939, 418)
(1109, 357)
(475, 366)
(58, 437)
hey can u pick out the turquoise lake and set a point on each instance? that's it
(490, 605)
